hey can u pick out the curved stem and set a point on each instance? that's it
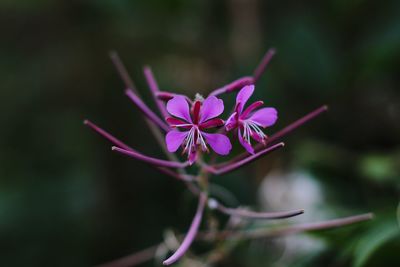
(191, 234)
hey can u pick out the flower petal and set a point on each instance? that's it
(243, 96)
(179, 107)
(231, 122)
(265, 117)
(211, 108)
(243, 142)
(218, 142)
(174, 122)
(174, 139)
(212, 123)
(250, 108)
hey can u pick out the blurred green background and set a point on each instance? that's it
(67, 200)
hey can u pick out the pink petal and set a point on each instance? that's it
(243, 142)
(211, 123)
(265, 117)
(250, 108)
(218, 142)
(179, 107)
(174, 139)
(231, 122)
(243, 96)
(211, 108)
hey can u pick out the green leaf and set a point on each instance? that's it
(372, 240)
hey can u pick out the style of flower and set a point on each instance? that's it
(193, 122)
(249, 121)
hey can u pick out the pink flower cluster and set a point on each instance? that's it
(202, 115)
(195, 126)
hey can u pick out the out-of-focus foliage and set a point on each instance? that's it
(67, 200)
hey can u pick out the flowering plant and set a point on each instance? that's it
(195, 126)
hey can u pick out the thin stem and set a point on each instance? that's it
(254, 215)
(146, 110)
(235, 165)
(191, 234)
(183, 177)
(165, 96)
(247, 80)
(122, 71)
(119, 143)
(233, 86)
(293, 229)
(147, 254)
(150, 160)
(296, 124)
(263, 64)
(133, 259)
(153, 86)
(106, 135)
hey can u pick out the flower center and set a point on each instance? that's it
(194, 138)
(250, 128)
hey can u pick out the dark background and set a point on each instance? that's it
(67, 200)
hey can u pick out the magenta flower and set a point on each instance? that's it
(187, 128)
(202, 116)
(249, 121)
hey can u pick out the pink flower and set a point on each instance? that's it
(249, 121)
(202, 116)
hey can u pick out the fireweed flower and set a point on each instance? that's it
(249, 121)
(188, 127)
(193, 122)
